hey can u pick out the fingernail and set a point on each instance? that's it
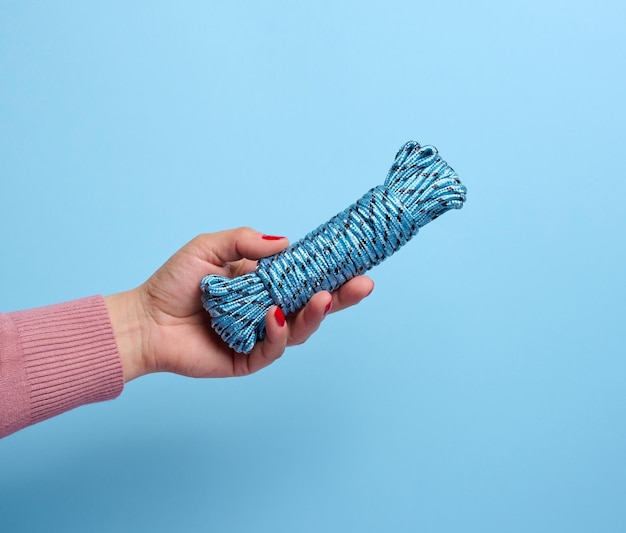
(272, 237)
(279, 316)
(329, 306)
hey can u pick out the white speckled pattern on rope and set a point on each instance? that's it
(420, 187)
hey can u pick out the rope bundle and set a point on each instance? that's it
(420, 187)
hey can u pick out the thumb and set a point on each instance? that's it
(243, 243)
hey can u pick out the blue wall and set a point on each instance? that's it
(481, 387)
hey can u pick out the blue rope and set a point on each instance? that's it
(420, 187)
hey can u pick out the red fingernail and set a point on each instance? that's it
(272, 237)
(329, 306)
(279, 316)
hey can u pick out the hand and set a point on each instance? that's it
(162, 326)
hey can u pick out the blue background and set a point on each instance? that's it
(481, 387)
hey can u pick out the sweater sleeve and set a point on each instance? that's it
(56, 358)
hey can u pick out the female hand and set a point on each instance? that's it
(162, 326)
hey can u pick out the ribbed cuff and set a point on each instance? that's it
(70, 356)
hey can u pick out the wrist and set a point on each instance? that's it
(125, 314)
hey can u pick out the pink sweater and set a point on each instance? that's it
(55, 358)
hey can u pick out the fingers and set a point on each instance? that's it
(308, 320)
(274, 344)
(352, 293)
(280, 333)
(240, 243)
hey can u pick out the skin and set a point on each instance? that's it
(161, 326)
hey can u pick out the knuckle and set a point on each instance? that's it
(245, 231)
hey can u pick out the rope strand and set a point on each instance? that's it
(420, 187)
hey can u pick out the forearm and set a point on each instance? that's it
(55, 358)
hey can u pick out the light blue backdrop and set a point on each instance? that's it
(481, 387)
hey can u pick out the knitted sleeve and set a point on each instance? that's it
(56, 358)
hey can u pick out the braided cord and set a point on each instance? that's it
(349, 244)
(420, 187)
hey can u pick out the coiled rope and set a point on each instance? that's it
(420, 186)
